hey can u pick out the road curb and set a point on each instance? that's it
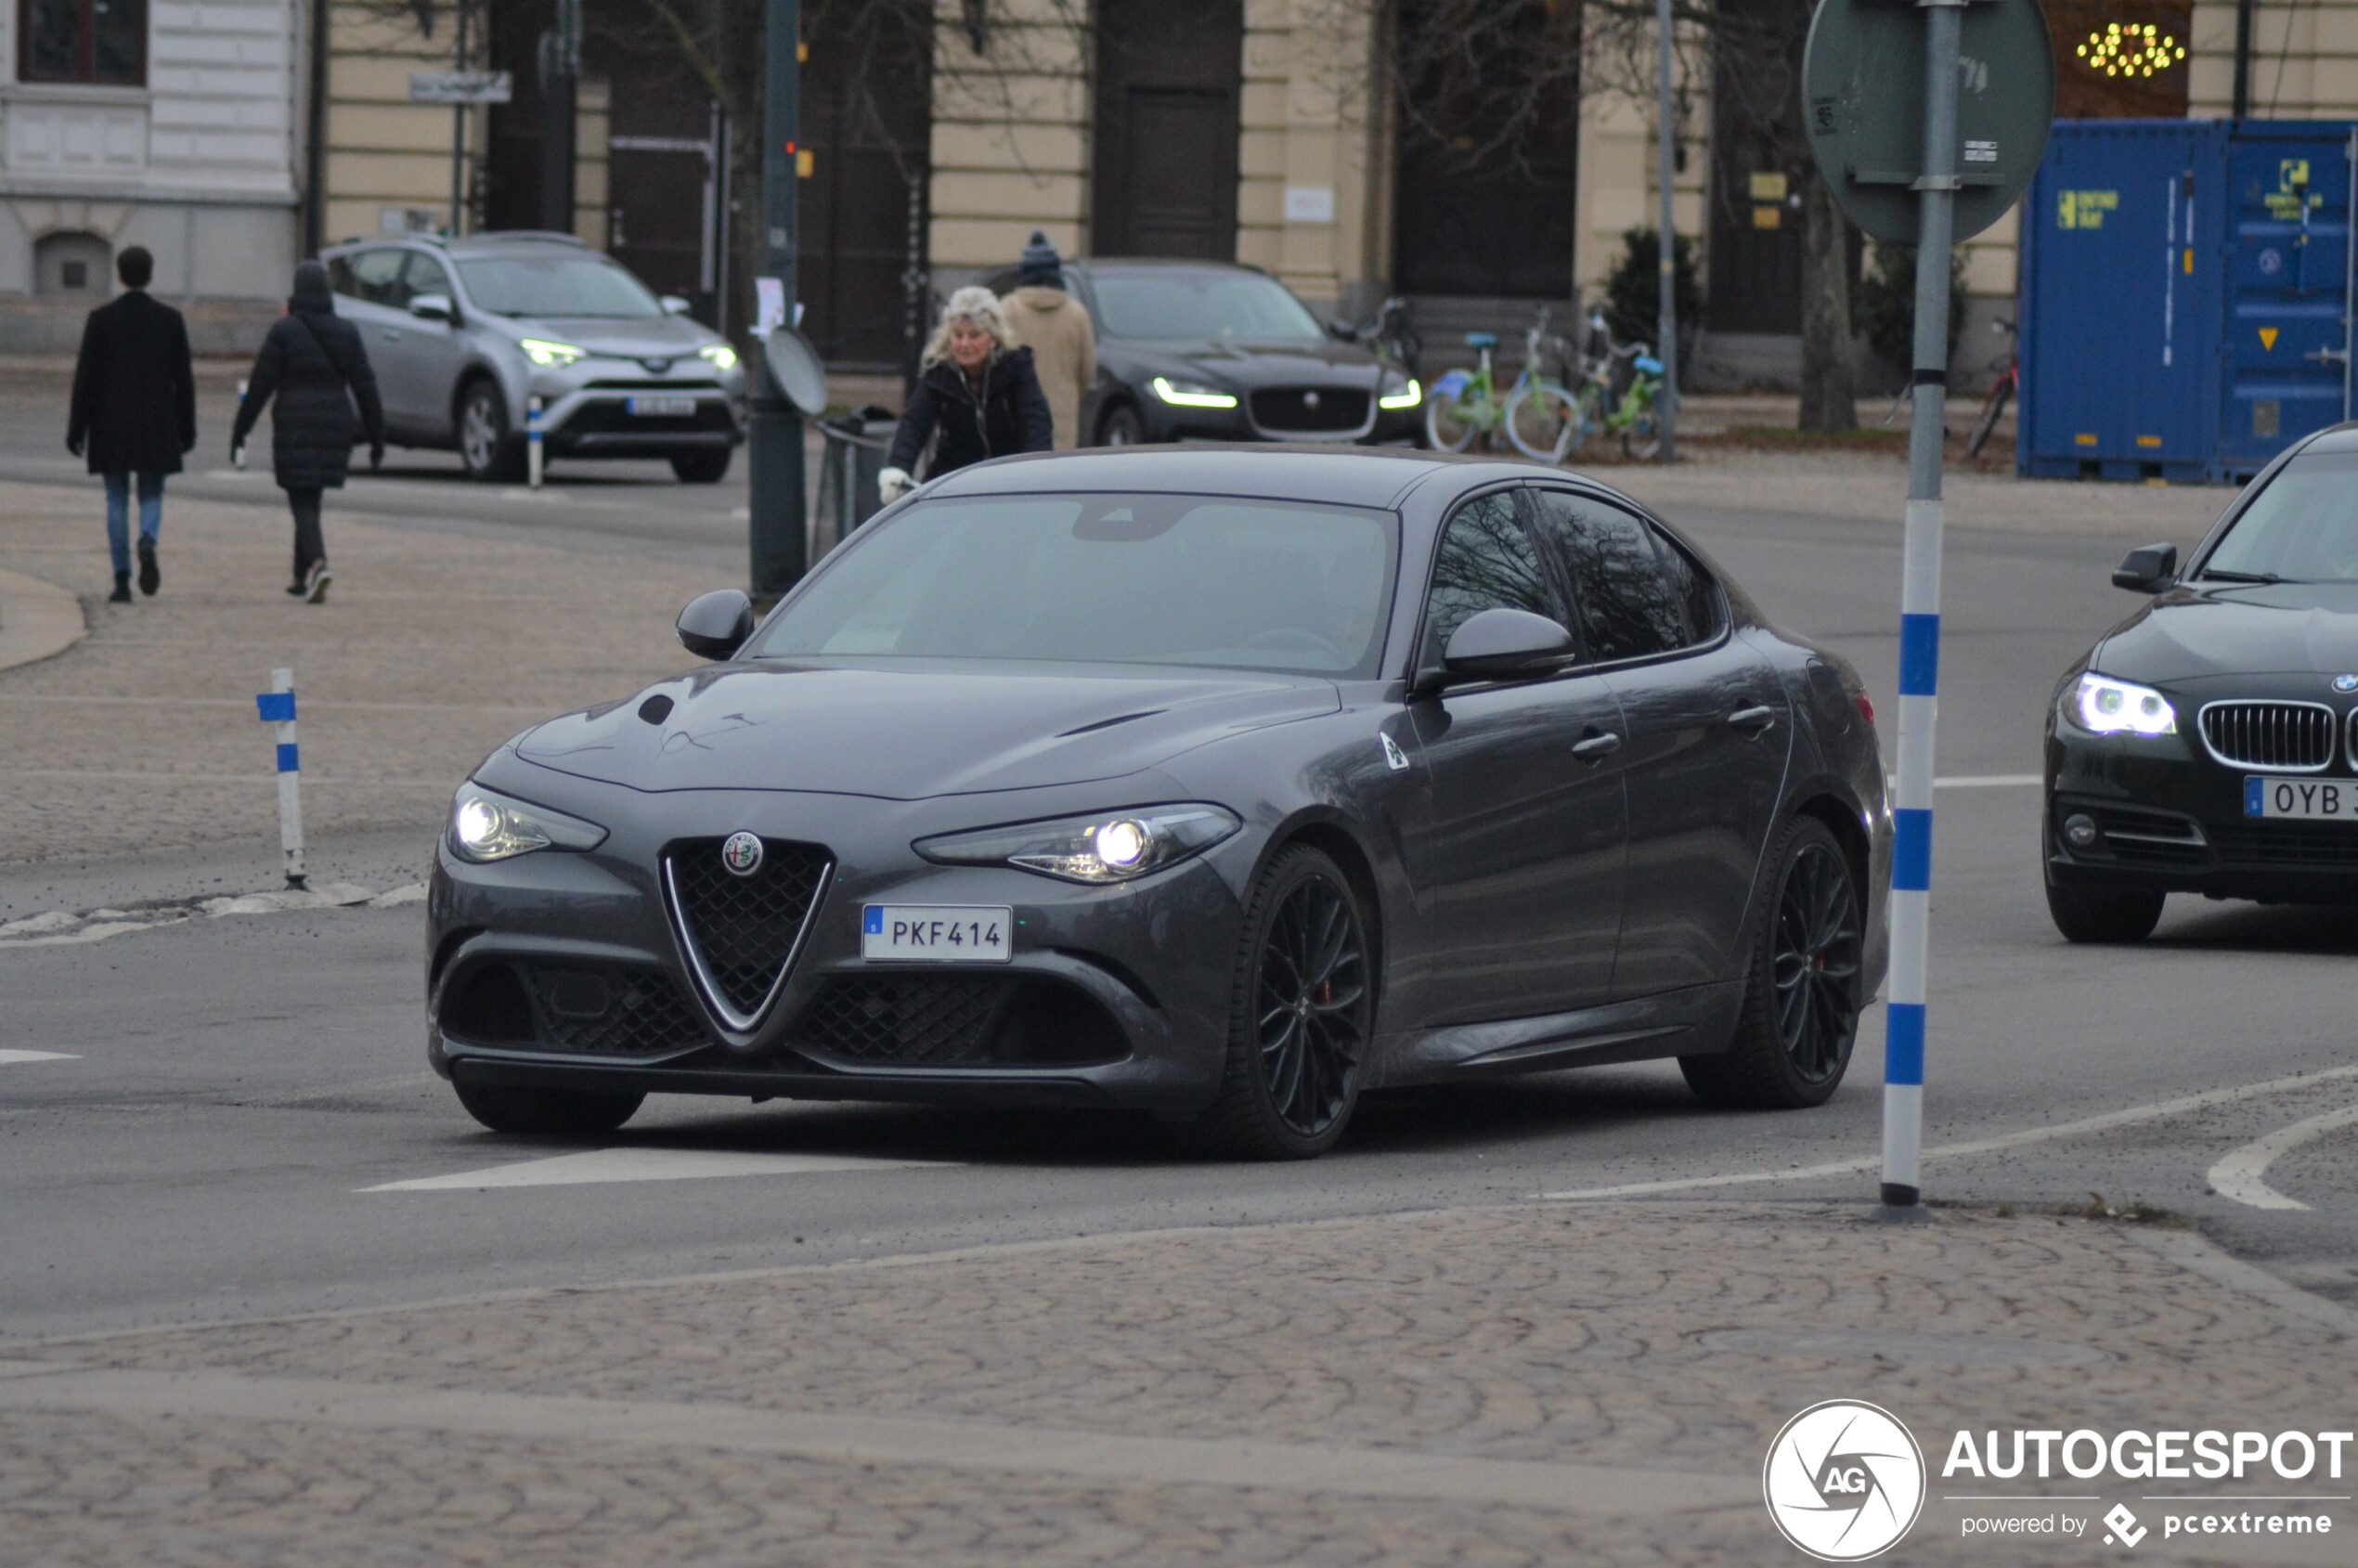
(37, 621)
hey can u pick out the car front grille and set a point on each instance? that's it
(2324, 845)
(1305, 410)
(742, 932)
(2284, 736)
(585, 1010)
(910, 1019)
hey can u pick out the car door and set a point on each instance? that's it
(431, 353)
(374, 295)
(1522, 865)
(1707, 735)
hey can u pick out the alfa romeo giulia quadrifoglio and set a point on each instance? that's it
(1221, 783)
(2208, 743)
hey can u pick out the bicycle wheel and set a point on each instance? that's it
(1540, 421)
(1992, 407)
(1453, 420)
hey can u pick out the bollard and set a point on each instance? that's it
(532, 441)
(277, 706)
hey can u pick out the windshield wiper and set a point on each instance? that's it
(2211, 573)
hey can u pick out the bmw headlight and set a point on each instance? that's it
(1406, 396)
(487, 826)
(1192, 395)
(723, 358)
(2105, 707)
(1112, 846)
(540, 351)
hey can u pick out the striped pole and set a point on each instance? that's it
(277, 706)
(1903, 1072)
(532, 440)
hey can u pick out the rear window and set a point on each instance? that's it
(2304, 527)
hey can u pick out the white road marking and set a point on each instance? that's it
(8, 1057)
(2239, 1176)
(634, 1164)
(2087, 1125)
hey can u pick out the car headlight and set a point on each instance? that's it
(1110, 846)
(1407, 398)
(1192, 395)
(487, 826)
(723, 358)
(2105, 707)
(540, 351)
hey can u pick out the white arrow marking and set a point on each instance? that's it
(7, 1056)
(634, 1164)
(2239, 1176)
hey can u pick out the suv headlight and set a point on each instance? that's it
(2105, 707)
(1192, 395)
(1110, 846)
(722, 356)
(487, 826)
(540, 351)
(1406, 396)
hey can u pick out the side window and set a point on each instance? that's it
(1693, 587)
(376, 277)
(340, 277)
(424, 276)
(1486, 560)
(1630, 603)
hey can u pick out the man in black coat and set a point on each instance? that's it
(313, 362)
(134, 411)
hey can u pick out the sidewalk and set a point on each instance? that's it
(1531, 1384)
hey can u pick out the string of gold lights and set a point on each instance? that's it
(2130, 49)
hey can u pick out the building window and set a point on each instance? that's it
(99, 41)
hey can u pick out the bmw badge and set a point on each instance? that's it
(2346, 682)
(741, 852)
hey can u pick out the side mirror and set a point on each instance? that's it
(1343, 331)
(674, 305)
(433, 308)
(1499, 644)
(716, 624)
(2148, 570)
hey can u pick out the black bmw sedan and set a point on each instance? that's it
(1210, 350)
(2208, 743)
(1222, 783)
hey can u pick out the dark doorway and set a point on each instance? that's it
(1488, 153)
(1755, 221)
(1169, 80)
(867, 118)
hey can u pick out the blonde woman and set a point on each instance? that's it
(977, 390)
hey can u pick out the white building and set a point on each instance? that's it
(176, 124)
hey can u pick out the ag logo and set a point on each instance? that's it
(1844, 1481)
(741, 852)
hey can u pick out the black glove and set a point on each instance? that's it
(376, 456)
(74, 445)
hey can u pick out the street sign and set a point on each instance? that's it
(1863, 95)
(462, 86)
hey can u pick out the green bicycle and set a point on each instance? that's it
(1535, 413)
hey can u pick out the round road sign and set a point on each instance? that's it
(1863, 95)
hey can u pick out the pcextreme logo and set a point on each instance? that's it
(1844, 1481)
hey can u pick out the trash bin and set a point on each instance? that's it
(856, 446)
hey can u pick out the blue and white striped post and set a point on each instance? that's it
(1903, 1070)
(533, 457)
(277, 706)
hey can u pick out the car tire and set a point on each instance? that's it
(1287, 1089)
(2107, 916)
(703, 468)
(1120, 426)
(580, 1113)
(486, 448)
(1802, 982)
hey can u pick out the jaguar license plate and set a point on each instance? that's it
(936, 933)
(662, 408)
(2306, 801)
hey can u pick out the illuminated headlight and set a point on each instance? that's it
(540, 351)
(2105, 707)
(487, 826)
(1192, 395)
(1113, 847)
(1407, 398)
(723, 358)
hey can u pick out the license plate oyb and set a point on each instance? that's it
(2301, 799)
(936, 933)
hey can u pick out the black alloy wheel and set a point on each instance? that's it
(703, 468)
(1800, 1015)
(2111, 916)
(575, 1113)
(1300, 1017)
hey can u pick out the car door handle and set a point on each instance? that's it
(1754, 719)
(1597, 747)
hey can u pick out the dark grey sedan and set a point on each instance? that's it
(1226, 783)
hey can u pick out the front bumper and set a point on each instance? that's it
(1146, 961)
(1375, 425)
(590, 417)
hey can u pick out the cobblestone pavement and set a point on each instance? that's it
(1642, 1340)
(430, 650)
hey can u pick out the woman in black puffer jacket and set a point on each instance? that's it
(315, 364)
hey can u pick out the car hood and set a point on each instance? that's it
(2279, 629)
(1244, 365)
(910, 734)
(646, 337)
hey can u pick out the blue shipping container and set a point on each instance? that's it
(2187, 296)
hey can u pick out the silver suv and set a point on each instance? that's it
(464, 334)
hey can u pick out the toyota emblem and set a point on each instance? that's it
(1310, 400)
(2346, 682)
(657, 365)
(741, 852)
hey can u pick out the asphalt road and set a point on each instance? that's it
(225, 1091)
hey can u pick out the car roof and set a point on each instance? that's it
(1375, 476)
(2336, 438)
(494, 242)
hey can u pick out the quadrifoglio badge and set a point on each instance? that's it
(1845, 1481)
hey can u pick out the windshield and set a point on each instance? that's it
(1184, 580)
(562, 285)
(2304, 527)
(1209, 304)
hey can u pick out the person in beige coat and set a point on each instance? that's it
(1056, 328)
